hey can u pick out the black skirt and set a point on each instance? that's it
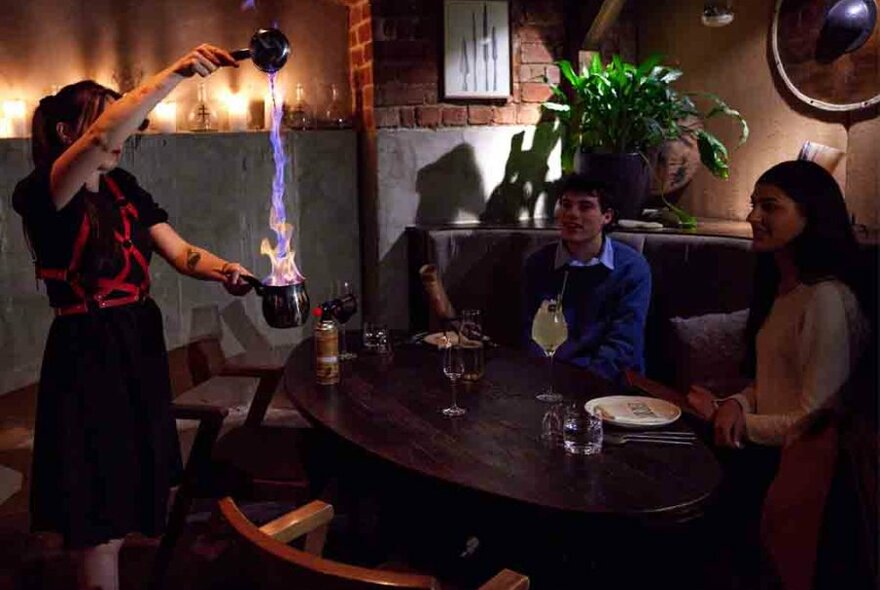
(106, 450)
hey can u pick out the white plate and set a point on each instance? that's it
(631, 411)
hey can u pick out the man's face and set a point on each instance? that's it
(580, 218)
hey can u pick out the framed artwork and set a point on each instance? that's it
(476, 50)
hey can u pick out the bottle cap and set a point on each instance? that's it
(317, 312)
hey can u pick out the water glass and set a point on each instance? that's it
(471, 341)
(377, 339)
(551, 426)
(581, 431)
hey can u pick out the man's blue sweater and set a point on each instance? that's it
(605, 309)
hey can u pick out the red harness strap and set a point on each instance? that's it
(119, 283)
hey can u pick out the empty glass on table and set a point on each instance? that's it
(453, 368)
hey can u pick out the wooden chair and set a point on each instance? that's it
(274, 563)
(217, 467)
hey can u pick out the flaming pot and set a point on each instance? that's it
(284, 306)
(268, 49)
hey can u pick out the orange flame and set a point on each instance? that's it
(282, 257)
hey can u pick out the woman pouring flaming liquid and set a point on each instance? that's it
(106, 450)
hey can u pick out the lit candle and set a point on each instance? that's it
(5, 127)
(13, 112)
(165, 116)
(237, 107)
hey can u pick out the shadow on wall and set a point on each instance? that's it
(450, 186)
(525, 181)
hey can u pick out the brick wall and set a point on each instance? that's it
(360, 60)
(408, 43)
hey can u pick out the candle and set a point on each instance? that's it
(237, 108)
(14, 112)
(165, 116)
(5, 127)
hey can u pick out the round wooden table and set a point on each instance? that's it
(390, 407)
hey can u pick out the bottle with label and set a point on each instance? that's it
(326, 348)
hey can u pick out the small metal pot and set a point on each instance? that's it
(284, 306)
(268, 49)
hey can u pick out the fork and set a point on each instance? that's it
(620, 439)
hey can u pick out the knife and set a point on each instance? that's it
(465, 67)
(486, 42)
(474, 29)
(494, 60)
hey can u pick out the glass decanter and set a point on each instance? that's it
(300, 114)
(202, 117)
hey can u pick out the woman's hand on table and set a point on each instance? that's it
(730, 425)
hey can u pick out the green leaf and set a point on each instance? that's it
(649, 64)
(596, 64)
(686, 220)
(556, 107)
(569, 74)
(713, 154)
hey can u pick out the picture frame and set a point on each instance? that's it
(476, 49)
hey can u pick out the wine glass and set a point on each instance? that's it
(342, 288)
(453, 368)
(549, 330)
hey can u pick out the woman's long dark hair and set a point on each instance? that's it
(826, 248)
(76, 105)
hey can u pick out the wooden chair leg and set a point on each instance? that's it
(262, 398)
(210, 421)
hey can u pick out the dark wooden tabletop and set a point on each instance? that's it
(391, 408)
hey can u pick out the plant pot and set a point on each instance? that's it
(627, 175)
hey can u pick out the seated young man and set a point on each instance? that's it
(608, 285)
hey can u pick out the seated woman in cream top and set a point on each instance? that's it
(806, 328)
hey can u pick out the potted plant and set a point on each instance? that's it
(614, 115)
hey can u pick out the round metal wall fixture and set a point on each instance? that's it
(828, 52)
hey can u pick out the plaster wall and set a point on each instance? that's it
(216, 189)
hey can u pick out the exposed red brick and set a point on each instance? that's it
(368, 51)
(505, 115)
(531, 73)
(399, 94)
(528, 114)
(535, 53)
(428, 116)
(479, 115)
(410, 50)
(532, 92)
(423, 73)
(352, 37)
(356, 56)
(367, 92)
(387, 117)
(365, 31)
(544, 11)
(356, 14)
(455, 116)
(407, 117)
(553, 74)
(369, 119)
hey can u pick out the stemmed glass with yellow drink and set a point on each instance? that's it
(549, 330)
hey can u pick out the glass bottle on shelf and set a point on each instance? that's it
(300, 114)
(335, 116)
(202, 117)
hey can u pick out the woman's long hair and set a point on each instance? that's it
(78, 106)
(826, 248)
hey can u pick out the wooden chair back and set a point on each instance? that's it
(274, 563)
(270, 562)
